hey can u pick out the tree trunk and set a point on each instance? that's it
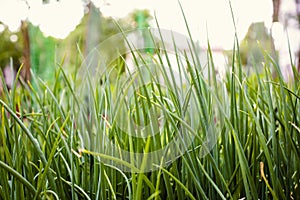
(25, 73)
(93, 32)
(276, 6)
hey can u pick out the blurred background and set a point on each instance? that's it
(41, 34)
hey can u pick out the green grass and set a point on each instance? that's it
(52, 139)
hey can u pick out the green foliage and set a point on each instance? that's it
(76, 45)
(252, 46)
(42, 53)
(9, 49)
(256, 37)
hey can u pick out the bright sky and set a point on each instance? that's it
(205, 17)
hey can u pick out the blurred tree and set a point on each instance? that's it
(42, 53)
(39, 53)
(288, 18)
(26, 51)
(250, 50)
(93, 28)
(100, 28)
(10, 49)
(276, 7)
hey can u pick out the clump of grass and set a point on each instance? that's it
(51, 147)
